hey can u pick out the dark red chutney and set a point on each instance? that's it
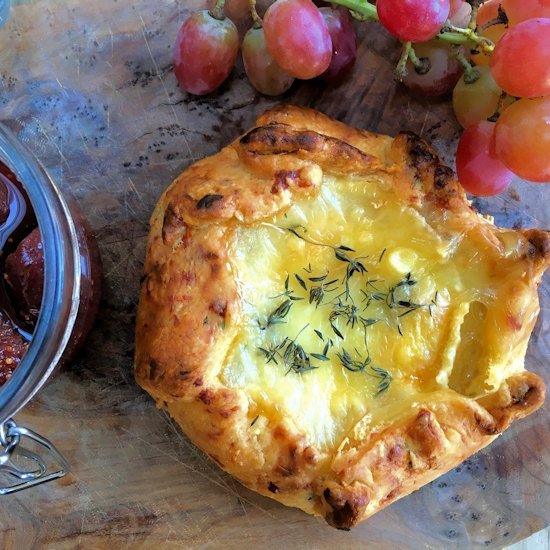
(22, 267)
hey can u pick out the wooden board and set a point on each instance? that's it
(88, 86)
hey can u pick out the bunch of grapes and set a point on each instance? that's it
(493, 55)
(295, 39)
(505, 110)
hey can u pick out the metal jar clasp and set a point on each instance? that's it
(21, 468)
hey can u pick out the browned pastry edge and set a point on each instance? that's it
(189, 312)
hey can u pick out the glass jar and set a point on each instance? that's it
(69, 303)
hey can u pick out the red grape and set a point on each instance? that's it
(522, 138)
(262, 70)
(454, 6)
(344, 46)
(488, 11)
(239, 12)
(460, 14)
(520, 10)
(521, 60)
(413, 20)
(444, 70)
(478, 169)
(298, 38)
(205, 52)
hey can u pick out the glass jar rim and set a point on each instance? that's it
(60, 299)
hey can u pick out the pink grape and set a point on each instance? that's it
(205, 52)
(488, 11)
(522, 138)
(298, 38)
(521, 60)
(521, 10)
(461, 13)
(478, 169)
(413, 20)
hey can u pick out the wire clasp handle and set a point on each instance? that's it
(23, 468)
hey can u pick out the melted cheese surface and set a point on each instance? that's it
(425, 296)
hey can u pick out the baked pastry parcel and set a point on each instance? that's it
(325, 314)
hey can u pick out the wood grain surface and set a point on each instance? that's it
(88, 87)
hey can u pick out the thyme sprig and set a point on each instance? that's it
(317, 292)
(363, 364)
(340, 252)
(398, 302)
(403, 306)
(294, 356)
(297, 359)
(272, 352)
(289, 293)
(294, 231)
(354, 266)
(349, 312)
(277, 316)
(396, 298)
(372, 293)
(354, 365)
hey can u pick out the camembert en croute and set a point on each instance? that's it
(327, 317)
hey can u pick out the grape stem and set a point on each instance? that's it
(471, 74)
(483, 44)
(500, 105)
(421, 64)
(365, 9)
(449, 33)
(473, 19)
(401, 69)
(257, 22)
(500, 19)
(217, 11)
(256, 19)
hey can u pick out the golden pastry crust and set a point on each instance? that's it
(190, 311)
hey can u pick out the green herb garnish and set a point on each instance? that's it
(277, 316)
(361, 364)
(343, 313)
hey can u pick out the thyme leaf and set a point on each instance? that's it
(300, 281)
(272, 352)
(297, 360)
(353, 365)
(320, 356)
(278, 315)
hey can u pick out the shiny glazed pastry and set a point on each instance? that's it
(326, 316)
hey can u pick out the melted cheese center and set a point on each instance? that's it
(400, 318)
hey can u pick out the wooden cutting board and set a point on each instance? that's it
(88, 87)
